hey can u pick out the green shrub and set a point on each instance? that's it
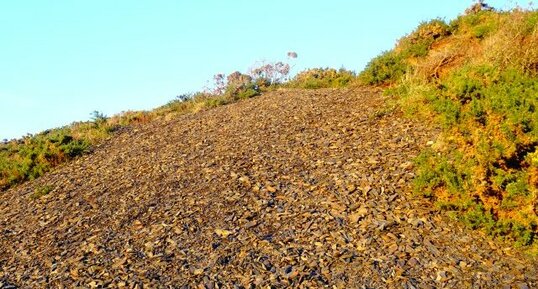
(477, 25)
(322, 78)
(75, 148)
(479, 217)
(386, 68)
(34, 155)
(491, 123)
(242, 86)
(216, 101)
(418, 43)
(247, 92)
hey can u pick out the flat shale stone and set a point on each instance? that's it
(294, 188)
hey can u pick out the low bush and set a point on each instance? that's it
(32, 156)
(490, 139)
(385, 69)
(419, 43)
(322, 78)
(477, 23)
(242, 86)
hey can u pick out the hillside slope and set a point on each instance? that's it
(476, 77)
(293, 188)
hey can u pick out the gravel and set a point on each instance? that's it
(295, 188)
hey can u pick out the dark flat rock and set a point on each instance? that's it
(305, 189)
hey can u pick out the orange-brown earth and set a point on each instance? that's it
(305, 189)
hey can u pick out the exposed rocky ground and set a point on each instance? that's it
(305, 189)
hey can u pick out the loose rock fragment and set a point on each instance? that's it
(292, 189)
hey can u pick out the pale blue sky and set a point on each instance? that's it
(63, 59)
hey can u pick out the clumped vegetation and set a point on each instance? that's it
(384, 69)
(477, 78)
(322, 78)
(33, 155)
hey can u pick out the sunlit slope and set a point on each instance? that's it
(476, 77)
(293, 188)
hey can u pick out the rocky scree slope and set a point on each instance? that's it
(305, 189)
